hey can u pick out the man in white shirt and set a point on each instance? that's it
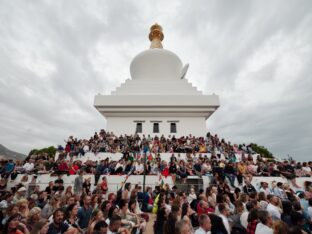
(29, 166)
(139, 169)
(244, 216)
(265, 224)
(265, 188)
(204, 224)
(279, 192)
(273, 208)
(224, 213)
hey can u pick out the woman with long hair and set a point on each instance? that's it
(40, 227)
(33, 217)
(161, 218)
(94, 201)
(132, 206)
(279, 227)
(173, 217)
(105, 206)
(71, 217)
(128, 219)
(97, 215)
(113, 210)
(14, 226)
(68, 191)
(252, 221)
(126, 193)
(188, 215)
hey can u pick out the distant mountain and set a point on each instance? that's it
(9, 154)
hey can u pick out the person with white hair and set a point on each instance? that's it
(20, 194)
(265, 224)
(204, 224)
(192, 195)
(273, 208)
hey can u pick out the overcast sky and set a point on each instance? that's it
(55, 56)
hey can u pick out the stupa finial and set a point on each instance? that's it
(156, 36)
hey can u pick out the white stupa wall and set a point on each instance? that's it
(158, 90)
(185, 125)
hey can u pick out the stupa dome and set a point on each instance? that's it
(156, 62)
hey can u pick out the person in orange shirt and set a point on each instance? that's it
(241, 171)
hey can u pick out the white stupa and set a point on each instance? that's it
(158, 99)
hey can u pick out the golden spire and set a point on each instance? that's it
(156, 36)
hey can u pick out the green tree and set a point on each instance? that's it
(264, 152)
(50, 151)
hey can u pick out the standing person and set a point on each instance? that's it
(98, 172)
(104, 185)
(265, 224)
(204, 224)
(32, 186)
(84, 213)
(173, 170)
(78, 183)
(87, 186)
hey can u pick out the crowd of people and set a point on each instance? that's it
(230, 204)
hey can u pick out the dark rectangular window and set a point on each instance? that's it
(139, 128)
(156, 128)
(173, 128)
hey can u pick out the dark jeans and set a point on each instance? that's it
(231, 177)
(96, 178)
(240, 178)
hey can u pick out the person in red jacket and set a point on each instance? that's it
(73, 169)
(165, 171)
(63, 167)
